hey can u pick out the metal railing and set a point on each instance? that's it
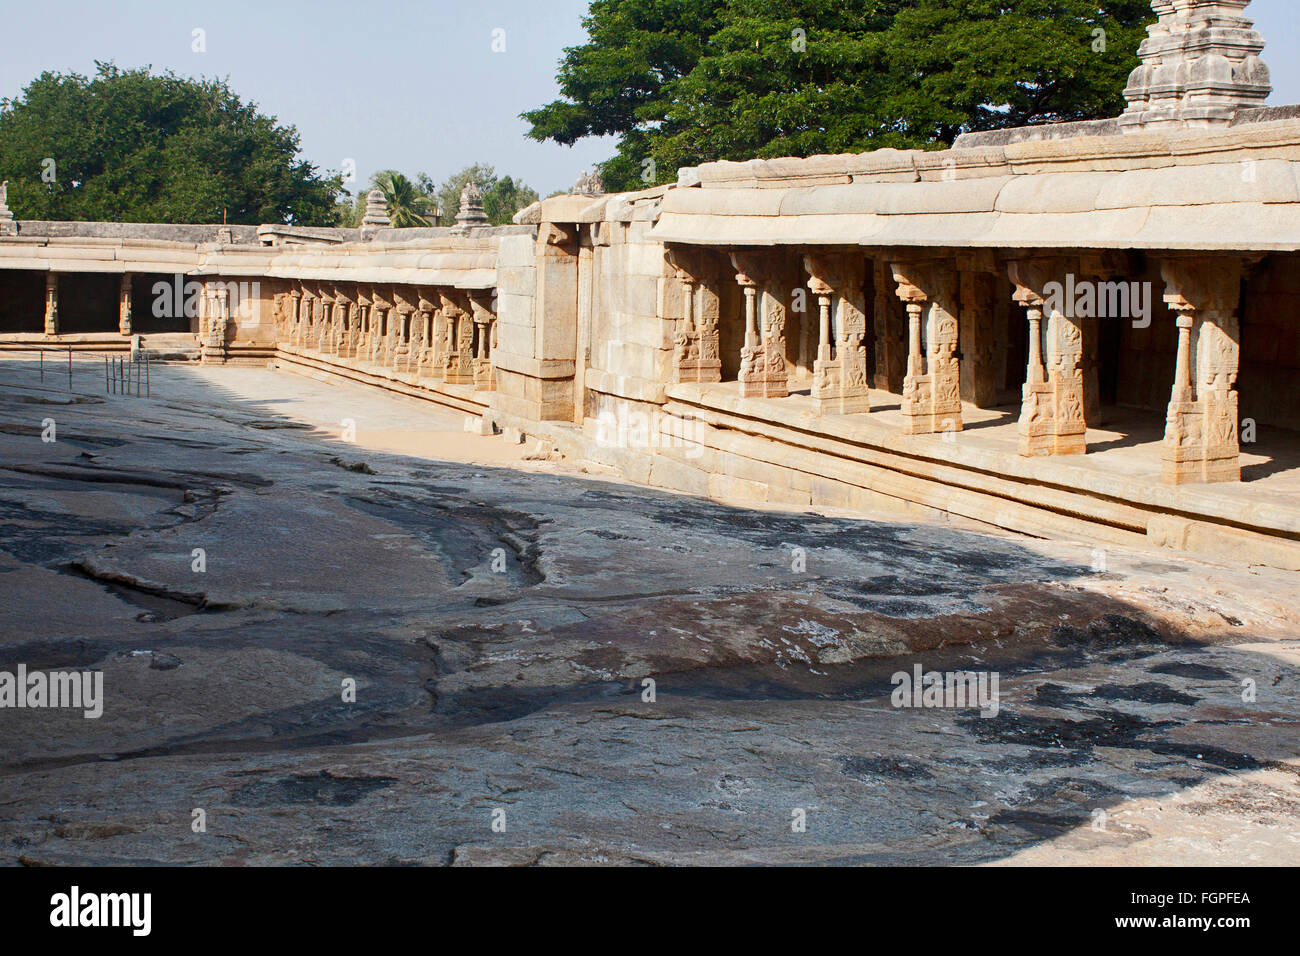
(122, 375)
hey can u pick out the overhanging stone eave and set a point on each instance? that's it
(1243, 227)
(472, 280)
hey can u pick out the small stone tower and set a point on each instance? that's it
(471, 207)
(7, 225)
(376, 216)
(1200, 65)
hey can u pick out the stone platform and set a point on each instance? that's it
(1113, 494)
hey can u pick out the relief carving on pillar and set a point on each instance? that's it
(344, 320)
(1201, 426)
(381, 325)
(1052, 419)
(325, 334)
(932, 384)
(696, 357)
(406, 343)
(365, 322)
(293, 313)
(212, 344)
(840, 384)
(429, 361)
(306, 317)
(459, 363)
(51, 303)
(763, 372)
(485, 379)
(124, 306)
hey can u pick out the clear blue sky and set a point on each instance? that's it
(408, 84)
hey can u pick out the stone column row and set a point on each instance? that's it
(439, 334)
(948, 299)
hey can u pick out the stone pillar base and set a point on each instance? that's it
(700, 370)
(759, 376)
(763, 372)
(1201, 442)
(923, 414)
(459, 370)
(831, 396)
(485, 376)
(1043, 430)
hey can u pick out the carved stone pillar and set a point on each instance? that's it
(124, 305)
(405, 344)
(1201, 441)
(485, 379)
(307, 318)
(1052, 410)
(365, 317)
(763, 371)
(324, 338)
(460, 356)
(932, 385)
(51, 303)
(381, 327)
(344, 319)
(429, 361)
(979, 383)
(293, 314)
(840, 369)
(212, 346)
(696, 357)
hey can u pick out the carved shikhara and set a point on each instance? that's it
(840, 384)
(1200, 65)
(696, 356)
(932, 385)
(1052, 418)
(763, 371)
(1201, 436)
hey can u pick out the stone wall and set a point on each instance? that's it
(1270, 343)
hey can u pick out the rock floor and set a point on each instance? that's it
(500, 619)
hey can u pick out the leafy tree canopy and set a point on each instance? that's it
(682, 82)
(407, 204)
(134, 146)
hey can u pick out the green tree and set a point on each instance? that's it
(349, 209)
(687, 81)
(502, 195)
(134, 146)
(407, 205)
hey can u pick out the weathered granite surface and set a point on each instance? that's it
(162, 232)
(521, 690)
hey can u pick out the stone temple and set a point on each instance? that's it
(744, 452)
(1089, 329)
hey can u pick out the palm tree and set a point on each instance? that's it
(406, 205)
